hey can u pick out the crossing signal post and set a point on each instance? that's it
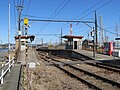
(26, 52)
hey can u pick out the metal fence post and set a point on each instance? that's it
(2, 73)
(9, 62)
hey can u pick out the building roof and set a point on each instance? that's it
(71, 36)
(117, 38)
(24, 37)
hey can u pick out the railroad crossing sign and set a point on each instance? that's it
(26, 21)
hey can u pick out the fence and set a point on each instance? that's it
(6, 68)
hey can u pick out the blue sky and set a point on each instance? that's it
(45, 9)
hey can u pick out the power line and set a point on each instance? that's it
(108, 31)
(28, 6)
(62, 8)
(31, 16)
(58, 7)
(104, 4)
(22, 2)
(14, 13)
(57, 13)
(93, 10)
(45, 24)
(85, 12)
(51, 20)
(90, 8)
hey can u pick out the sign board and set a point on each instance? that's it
(32, 65)
(26, 21)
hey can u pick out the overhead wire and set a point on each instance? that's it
(104, 5)
(91, 11)
(14, 13)
(31, 16)
(108, 31)
(22, 2)
(28, 6)
(57, 13)
(84, 12)
(45, 24)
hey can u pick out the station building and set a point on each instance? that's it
(73, 42)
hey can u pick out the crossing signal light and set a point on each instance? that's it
(32, 38)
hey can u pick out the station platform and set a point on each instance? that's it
(97, 55)
(31, 57)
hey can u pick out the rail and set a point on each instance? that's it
(5, 68)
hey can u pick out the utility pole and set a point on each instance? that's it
(61, 37)
(101, 31)
(19, 8)
(42, 41)
(116, 30)
(93, 35)
(96, 35)
(9, 32)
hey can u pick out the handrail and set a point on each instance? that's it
(4, 71)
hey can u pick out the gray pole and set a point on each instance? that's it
(9, 32)
(61, 37)
(19, 8)
(96, 31)
(42, 41)
(94, 43)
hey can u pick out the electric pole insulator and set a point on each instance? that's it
(92, 34)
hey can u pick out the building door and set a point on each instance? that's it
(75, 44)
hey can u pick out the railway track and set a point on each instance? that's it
(91, 79)
(96, 64)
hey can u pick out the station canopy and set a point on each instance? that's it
(71, 36)
(117, 38)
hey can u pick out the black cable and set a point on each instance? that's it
(108, 31)
(28, 6)
(89, 8)
(62, 8)
(58, 12)
(95, 9)
(14, 13)
(45, 24)
(22, 2)
(104, 4)
(84, 12)
(58, 8)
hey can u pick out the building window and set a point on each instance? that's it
(71, 42)
(68, 43)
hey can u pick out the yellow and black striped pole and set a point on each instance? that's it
(26, 53)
